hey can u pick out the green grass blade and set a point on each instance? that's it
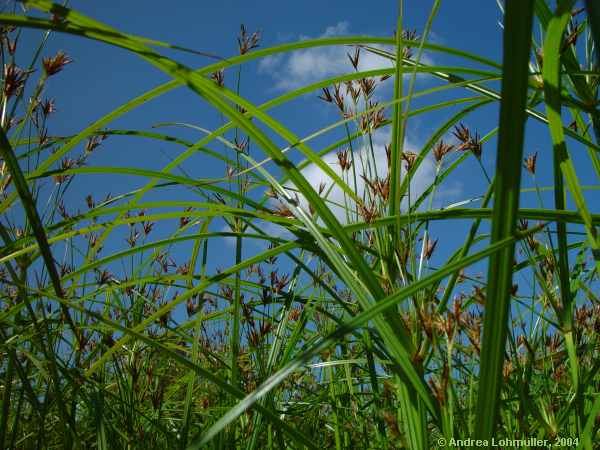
(516, 50)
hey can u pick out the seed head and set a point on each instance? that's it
(283, 211)
(379, 187)
(388, 154)
(338, 98)
(66, 164)
(355, 58)
(571, 38)
(218, 77)
(94, 142)
(55, 64)
(467, 140)
(241, 145)
(48, 107)
(350, 89)
(441, 149)
(104, 277)
(326, 97)
(368, 212)
(344, 160)
(90, 201)
(247, 42)
(11, 46)
(409, 158)
(184, 220)
(430, 248)
(14, 79)
(367, 86)
(462, 133)
(530, 163)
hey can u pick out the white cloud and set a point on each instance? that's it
(338, 29)
(305, 66)
(302, 67)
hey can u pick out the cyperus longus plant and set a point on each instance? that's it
(348, 315)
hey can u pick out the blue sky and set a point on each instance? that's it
(102, 77)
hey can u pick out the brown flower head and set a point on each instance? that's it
(11, 46)
(368, 212)
(67, 164)
(388, 154)
(367, 86)
(475, 146)
(462, 133)
(48, 107)
(89, 200)
(247, 42)
(408, 35)
(350, 89)
(326, 95)
(55, 64)
(467, 140)
(338, 98)
(14, 79)
(241, 145)
(218, 77)
(184, 220)
(283, 211)
(379, 186)
(322, 186)
(430, 248)
(344, 160)
(355, 58)
(409, 158)
(571, 38)
(530, 163)
(94, 142)
(441, 149)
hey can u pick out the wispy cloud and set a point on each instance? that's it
(309, 65)
(305, 66)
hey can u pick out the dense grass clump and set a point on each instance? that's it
(349, 314)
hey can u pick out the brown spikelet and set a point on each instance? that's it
(14, 79)
(326, 97)
(388, 154)
(468, 141)
(430, 248)
(409, 159)
(55, 64)
(47, 107)
(354, 58)
(218, 77)
(350, 89)
(441, 149)
(247, 42)
(322, 187)
(368, 212)
(344, 160)
(94, 142)
(571, 38)
(367, 86)
(283, 211)
(530, 163)
(338, 98)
